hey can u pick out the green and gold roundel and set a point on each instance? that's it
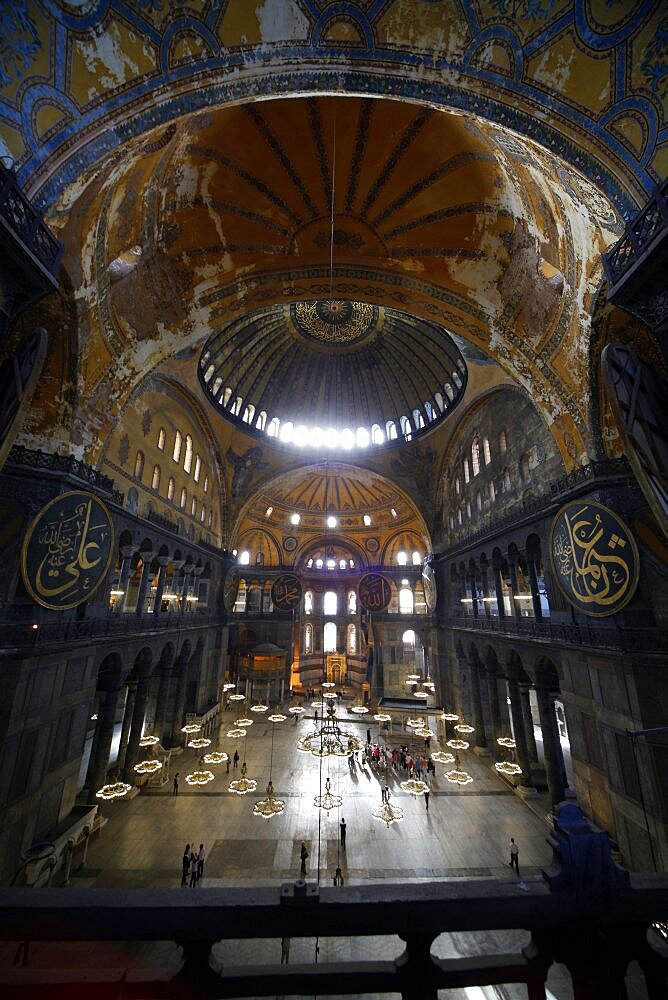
(375, 592)
(594, 558)
(67, 551)
(286, 592)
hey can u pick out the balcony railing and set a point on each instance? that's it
(114, 626)
(67, 465)
(638, 237)
(601, 637)
(26, 223)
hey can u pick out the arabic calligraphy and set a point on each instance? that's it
(67, 551)
(286, 592)
(595, 558)
(375, 592)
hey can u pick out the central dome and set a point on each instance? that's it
(333, 372)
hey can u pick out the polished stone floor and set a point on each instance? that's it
(464, 834)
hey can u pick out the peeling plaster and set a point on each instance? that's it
(280, 20)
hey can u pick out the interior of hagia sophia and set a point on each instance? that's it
(332, 354)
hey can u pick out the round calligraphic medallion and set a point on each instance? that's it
(286, 592)
(375, 592)
(67, 551)
(594, 558)
(429, 586)
(231, 588)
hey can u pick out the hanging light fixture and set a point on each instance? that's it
(416, 723)
(456, 776)
(269, 806)
(319, 705)
(507, 767)
(244, 722)
(425, 732)
(199, 777)
(199, 744)
(328, 800)
(328, 684)
(259, 708)
(228, 687)
(458, 744)
(441, 757)
(359, 709)
(216, 757)
(148, 766)
(415, 786)
(236, 734)
(237, 697)
(506, 741)
(191, 728)
(297, 710)
(464, 729)
(449, 717)
(330, 740)
(387, 813)
(383, 717)
(149, 741)
(116, 790)
(276, 717)
(243, 785)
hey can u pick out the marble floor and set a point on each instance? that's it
(464, 834)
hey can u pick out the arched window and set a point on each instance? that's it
(352, 602)
(308, 602)
(418, 420)
(308, 638)
(274, 427)
(468, 509)
(259, 559)
(459, 516)
(170, 488)
(330, 603)
(184, 497)
(406, 601)
(198, 468)
(417, 558)
(475, 456)
(227, 395)
(406, 428)
(155, 481)
(330, 637)
(139, 464)
(408, 638)
(492, 491)
(391, 429)
(478, 500)
(439, 401)
(161, 439)
(178, 442)
(209, 522)
(193, 507)
(451, 522)
(249, 413)
(188, 460)
(206, 484)
(352, 639)
(343, 564)
(503, 442)
(202, 514)
(261, 421)
(377, 435)
(485, 451)
(402, 558)
(507, 484)
(132, 500)
(458, 485)
(244, 558)
(524, 467)
(287, 432)
(467, 473)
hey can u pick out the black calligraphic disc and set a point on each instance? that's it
(67, 550)
(286, 592)
(375, 592)
(594, 558)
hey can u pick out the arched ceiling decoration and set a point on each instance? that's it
(315, 493)
(587, 79)
(440, 215)
(348, 366)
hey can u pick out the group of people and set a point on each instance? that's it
(192, 867)
(399, 759)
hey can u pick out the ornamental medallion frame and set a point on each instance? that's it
(31, 565)
(286, 592)
(374, 584)
(595, 518)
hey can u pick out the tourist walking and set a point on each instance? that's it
(285, 950)
(426, 801)
(236, 758)
(175, 789)
(343, 832)
(303, 855)
(185, 865)
(193, 869)
(514, 856)
(201, 858)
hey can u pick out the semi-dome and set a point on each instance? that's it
(333, 373)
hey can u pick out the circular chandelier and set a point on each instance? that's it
(259, 708)
(415, 723)
(506, 741)
(359, 709)
(387, 813)
(237, 697)
(420, 694)
(200, 743)
(318, 705)
(328, 684)
(199, 777)
(148, 766)
(441, 757)
(458, 777)
(507, 767)
(297, 710)
(330, 695)
(216, 757)
(464, 728)
(244, 722)
(228, 687)
(412, 680)
(450, 717)
(276, 717)
(236, 734)
(244, 785)
(430, 686)
(415, 786)
(191, 728)
(116, 790)
(383, 717)
(412, 677)
(269, 806)
(149, 741)
(458, 744)
(330, 740)
(328, 800)
(424, 732)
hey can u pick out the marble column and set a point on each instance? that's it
(147, 558)
(132, 754)
(519, 733)
(485, 590)
(554, 760)
(100, 752)
(476, 699)
(124, 576)
(127, 721)
(163, 562)
(162, 701)
(498, 589)
(473, 591)
(173, 734)
(493, 696)
(525, 698)
(533, 584)
(514, 589)
(183, 600)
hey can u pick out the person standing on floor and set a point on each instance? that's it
(201, 858)
(285, 950)
(426, 801)
(514, 856)
(185, 865)
(303, 855)
(175, 790)
(236, 758)
(343, 832)
(193, 869)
